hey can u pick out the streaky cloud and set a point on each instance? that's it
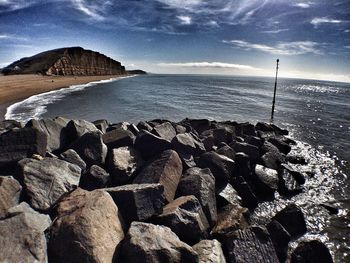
(324, 20)
(208, 65)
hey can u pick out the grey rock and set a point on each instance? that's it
(281, 145)
(10, 190)
(118, 138)
(251, 150)
(266, 181)
(185, 144)
(77, 128)
(312, 251)
(244, 190)
(209, 251)
(165, 131)
(280, 239)
(144, 126)
(73, 157)
(227, 195)
(96, 177)
(102, 125)
(227, 151)
(150, 145)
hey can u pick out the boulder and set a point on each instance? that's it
(138, 202)
(77, 128)
(10, 190)
(209, 251)
(185, 144)
(91, 148)
(87, 228)
(166, 169)
(198, 125)
(123, 162)
(272, 157)
(245, 192)
(185, 217)
(150, 145)
(219, 135)
(21, 143)
(22, 236)
(266, 181)
(118, 138)
(254, 140)
(245, 129)
(292, 219)
(148, 243)
(280, 239)
(243, 167)
(144, 126)
(227, 195)
(47, 180)
(96, 177)
(252, 244)
(312, 251)
(6, 125)
(165, 131)
(102, 125)
(250, 150)
(296, 159)
(201, 184)
(281, 145)
(287, 184)
(227, 151)
(73, 157)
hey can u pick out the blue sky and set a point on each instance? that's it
(238, 37)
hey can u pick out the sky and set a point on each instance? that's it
(228, 37)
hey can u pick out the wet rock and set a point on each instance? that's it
(150, 145)
(281, 145)
(265, 127)
(299, 177)
(165, 131)
(123, 163)
(91, 148)
(227, 195)
(87, 228)
(185, 144)
(250, 150)
(287, 184)
(47, 180)
(166, 169)
(96, 177)
(185, 217)
(230, 218)
(296, 159)
(201, 184)
(10, 190)
(148, 243)
(102, 125)
(266, 181)
(77, 128)
(244, 190)
(312, 251)
(73, 157)
(227, 151)
(332, 209)
(138, 202)
(22, 236)
(252, 244)
(57, 137)
(118, 138)
(280, 239)
(221, 167)
(209, 251)
(292, 219)
(21, 143)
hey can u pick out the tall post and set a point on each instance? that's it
(274, 93)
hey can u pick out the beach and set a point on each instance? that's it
(14, 88)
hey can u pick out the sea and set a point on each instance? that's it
(317, 114)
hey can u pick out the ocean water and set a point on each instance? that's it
(317, 113)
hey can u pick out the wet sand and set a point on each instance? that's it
(15, 88)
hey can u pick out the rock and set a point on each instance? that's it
(245, 192)
(181, 129)
(91, 148)
(221, 167)
(209, 251)
(166, 170)
(230, 218)
(21, 143)
(47, 180)
(227, 195)
(219, 135)
(6, 125)
(266, 181)
(96, 177)
(165, 131)
(312, 251)
(144, 126)
(250, 150)
(10, 190)
(255, 141)
(199, 125)
(150, 145)
(208, 143)
(265, 127)
(77, 128)
(185, 217)
(118, 138)
(280, 239)
(282, 146)
(332, 209)
(292, 219)
(184, 144)
(296, 159)
(123, 163)
(252, 244)
(102, 125)
(243, 167)
(227, 151)
(138, 202)
(73, 157)
(201, 184)
(148, 243)
(299, 177)
(287, 184)
(133, 128)
(87, 228)
(245, 129)
(22, 236)
(272, 157)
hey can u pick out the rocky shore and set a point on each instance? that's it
(156, 191)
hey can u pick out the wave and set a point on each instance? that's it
(36, 105)
(316, 88)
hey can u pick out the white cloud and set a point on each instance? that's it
(282, 48)
(207, 65)
(303, 5)
(185, 20)
(12, 37)
(347, 46)
(95, 10)
(324, 20)
(275, 31)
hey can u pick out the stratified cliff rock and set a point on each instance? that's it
(67, 61)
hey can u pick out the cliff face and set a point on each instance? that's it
(67, 61)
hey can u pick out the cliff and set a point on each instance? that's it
(67, 61)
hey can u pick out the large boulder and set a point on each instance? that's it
(96, 177)
(198, 125)
(209, 251)
(102, 125)
(138, 202)
(166, 170)
(288, 185)
(87, 228)
(118, 138)
(47, 180)
(185, 144)
(123, 162)
(265, 181)
(244, 190)
(281, 145)
(250, 150)
(150, 145)
(148, 243)
(200, 183)
(272, 157)
(73, 157)
(22, 236)
(10, 190)
(280, 239)
(91, 148)
(21, 143)
(312, 251)
(77, 128)
(185, 218)
(164, 130)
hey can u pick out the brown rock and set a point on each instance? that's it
(209, 251)
(10, 191)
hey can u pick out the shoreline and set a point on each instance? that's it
(15, 88)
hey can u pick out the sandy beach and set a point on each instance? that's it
(15, 88)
